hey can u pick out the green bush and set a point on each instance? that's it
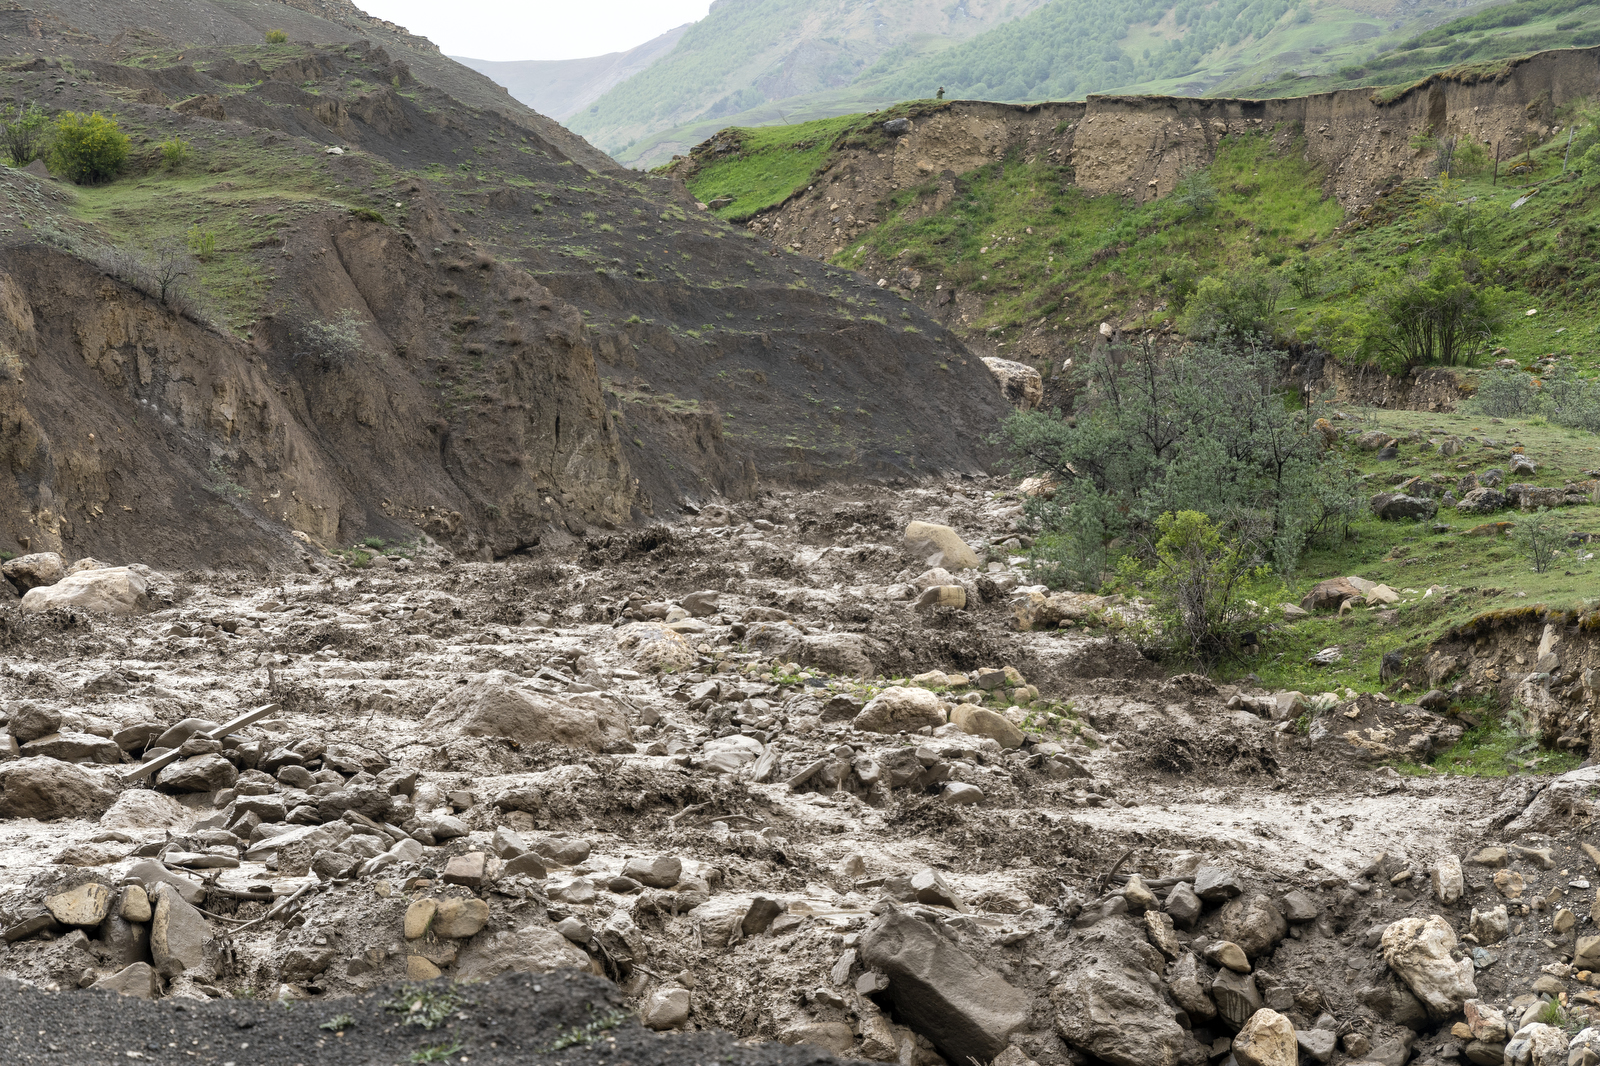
(1437, 318)
(24, 133)
(202, 243)
(176, 153)
(1209, 590)
(89, 149)
(1203, 429)
(277, 37)
(1237, 304)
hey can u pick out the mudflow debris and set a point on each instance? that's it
(737, 772)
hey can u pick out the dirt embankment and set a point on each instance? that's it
(1139, 146)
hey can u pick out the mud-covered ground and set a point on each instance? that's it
(720, 765)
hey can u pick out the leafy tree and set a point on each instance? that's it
(1437, 318)
(89, 149)
(1203, 429)
(24, 133)
(1538, 536)
(1209, 588)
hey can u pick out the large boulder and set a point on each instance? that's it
(28, 572)
(1330, 595)
(178, 934)
(1537, 1044)
(202, 773)
(119, 591)
(1396, 505)
(30, 721)
(1255, 924)
(44, 788)
(494, 705)
(966, 1009)
(1106, 1005)
(1419, 951)
(940, 546)
(653, 646)
(900, 709)
(1267, 1039)
(981, 722)
(535, 948)
(75, 747)
(1020, 383)
(1482, 501)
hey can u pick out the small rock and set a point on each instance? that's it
(419, 916)
(1216, 885)
(466, 870)
(529, 865)
(931, 888)
(420, 969)
(901, 709)
(959, 793)
(178, 933)
(660, 871)
(666, 1008)
(1447, 879)
(1140, 899)
(135, 904)
(139, 980)
(1227, 953)
(1318, 1045)
(1183, 905)
(30, 721)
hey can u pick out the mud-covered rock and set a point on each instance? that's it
(494, 705)
(1372, 729)
(47, 789)
(119, 591)
(940, 546)
(901, 709)
(1419, 951)
(962, 1006)
(28, 572)
(1105, 1006)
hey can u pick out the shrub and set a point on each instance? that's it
(367, 214)
(176, 153)
(24, 132)
(332, 344)
(89, 149)
(1236, 304)
(1194, 196)
(1470, 158)
(203, 243)
(1504, 393)
(1538, 537)
(1181, 278)
(164, 274)
(277, 37)
(1203, 429)
(1439, 318)
(1209, 590)
(1305, 277)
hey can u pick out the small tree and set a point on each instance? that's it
(89, 149)
(1537, 535)
(1209, 590)
(24, 133)
(1439, 318)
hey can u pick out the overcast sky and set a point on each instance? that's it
(537, 29)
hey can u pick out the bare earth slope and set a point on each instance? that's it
(541, 342)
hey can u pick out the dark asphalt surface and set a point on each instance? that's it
(517, 1018)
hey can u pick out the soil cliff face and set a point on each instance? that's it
(1139, 146)
(448, 315)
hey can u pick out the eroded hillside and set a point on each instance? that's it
(418, 308)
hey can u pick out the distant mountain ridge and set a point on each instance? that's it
(562, 88)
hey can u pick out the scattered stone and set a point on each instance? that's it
(205, 773)
(529, 865)
(495, 705)
(1537, 1045)
(1183, 905)
(667, 1008)
(86, 905)
(30, 721)
(951, 596)
(1419, 951)
(1236, 997)
(28, 572)
(660, 871)
(930, 887)
(1183, 978)
(1254, 924)
(1397, 505)
(1448, 881)
(1318, 1045)
(1227, 953)
(466, 870)
(419, 917)
(1267, 1039)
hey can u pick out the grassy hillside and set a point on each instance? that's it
(1068, 49)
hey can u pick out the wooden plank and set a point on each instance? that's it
(161, 762)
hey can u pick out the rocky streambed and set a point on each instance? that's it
(791, 771)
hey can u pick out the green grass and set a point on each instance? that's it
(1497, 747)
(1479, 574)
(772, 163)
(427, 1006)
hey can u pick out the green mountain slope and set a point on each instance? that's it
(1068, 49)
(753, 54)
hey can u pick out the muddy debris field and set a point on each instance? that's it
(818, 769)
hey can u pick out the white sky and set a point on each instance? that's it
(537, 29)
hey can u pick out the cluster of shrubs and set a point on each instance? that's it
(87, 149)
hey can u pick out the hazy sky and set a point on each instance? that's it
(537, 29)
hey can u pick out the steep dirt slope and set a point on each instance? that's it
(542, 342)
